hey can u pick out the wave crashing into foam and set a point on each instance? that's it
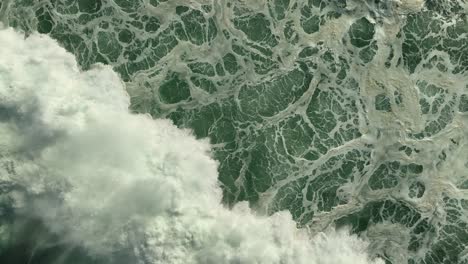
(106, 179)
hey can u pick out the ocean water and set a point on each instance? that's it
(244, 131)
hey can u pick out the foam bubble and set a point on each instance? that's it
(411, 5)
(107, 180)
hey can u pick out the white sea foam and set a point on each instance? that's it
(117, 179)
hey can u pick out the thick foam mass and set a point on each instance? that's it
(107, 180)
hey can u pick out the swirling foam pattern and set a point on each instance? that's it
(344, 113)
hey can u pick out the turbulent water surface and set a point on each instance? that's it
(243, 131)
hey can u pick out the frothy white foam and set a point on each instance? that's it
(127, 180)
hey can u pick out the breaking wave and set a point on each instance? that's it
(114, 183)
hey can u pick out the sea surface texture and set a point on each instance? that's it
(279, 131)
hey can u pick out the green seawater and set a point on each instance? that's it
(346, 113)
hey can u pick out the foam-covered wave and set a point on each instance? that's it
(107, 180)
